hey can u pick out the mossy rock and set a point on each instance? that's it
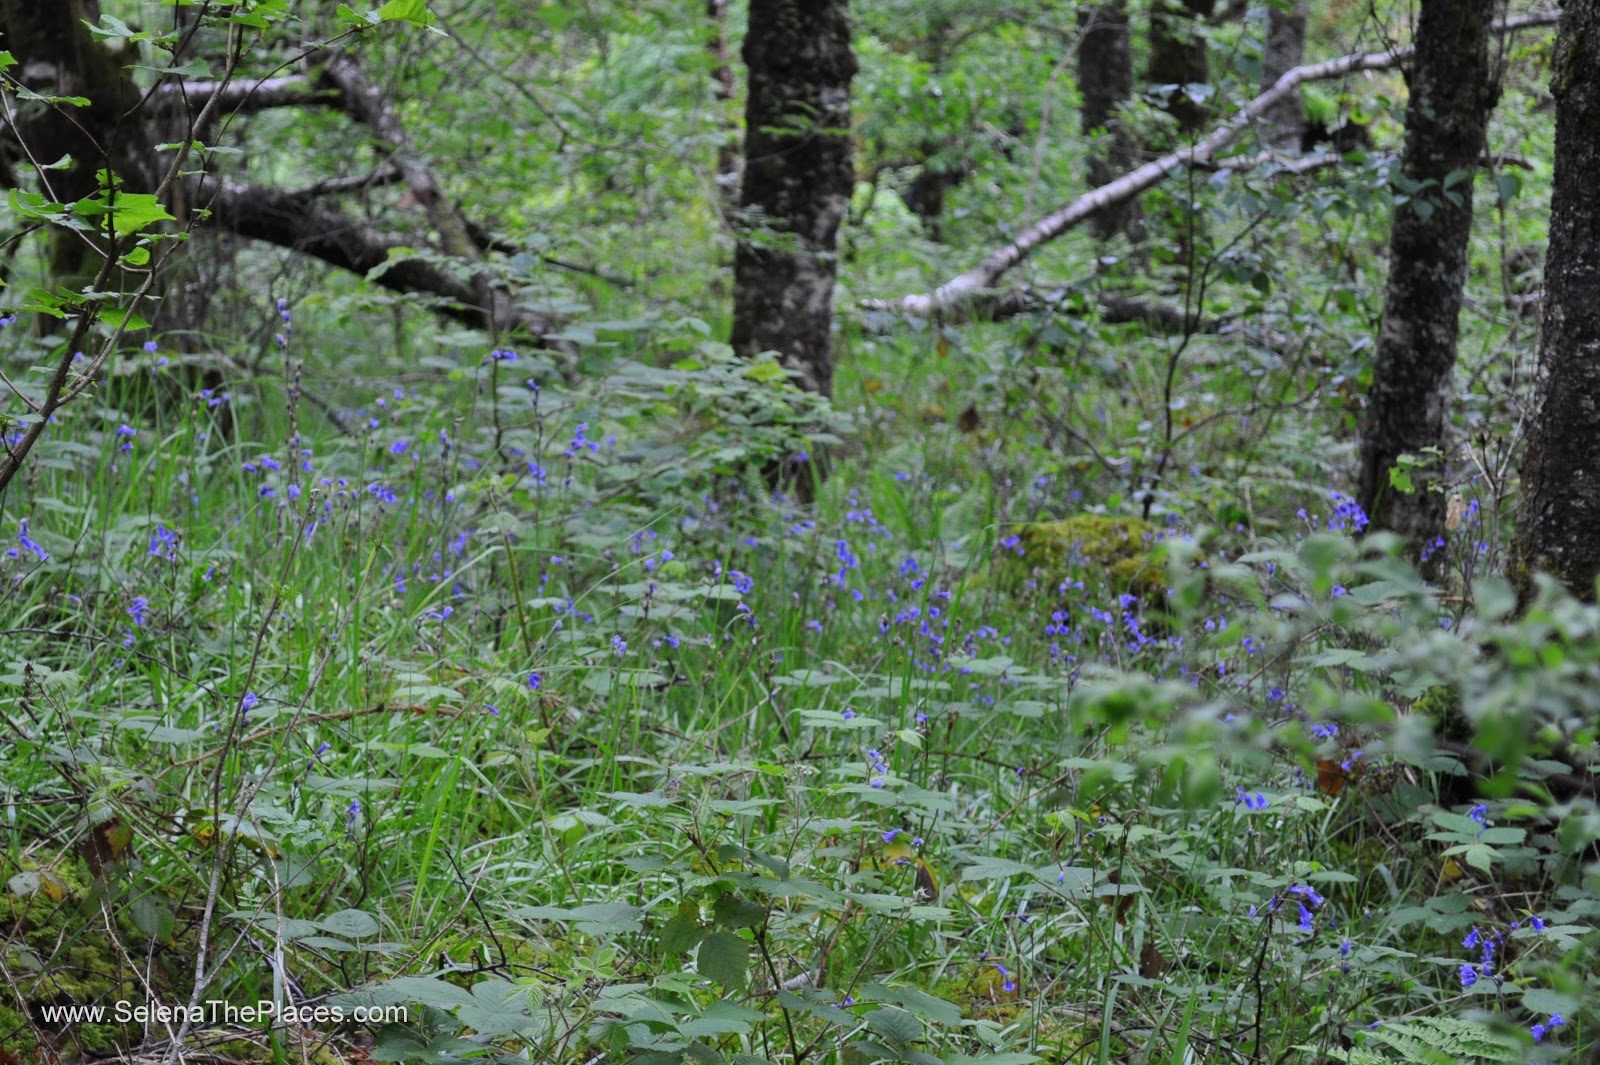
(60, 955)
(1123, 554)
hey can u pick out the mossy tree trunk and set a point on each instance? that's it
(1453, 88)
(1285, 121)
(797, 182)
(1105, 81)
(57, 56)
(1178, 56)
(1558, 527)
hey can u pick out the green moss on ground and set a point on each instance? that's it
(1120, 553)
(57, 955)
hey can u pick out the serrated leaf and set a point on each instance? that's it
(497, 1008)
(895, 1026)
(731, 911)
(684, 932)
(723, 957)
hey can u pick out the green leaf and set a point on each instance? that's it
(122, 318)
(413, 11)
(731, 911)
(993, 869)
(1400, 480)
(723, 957)
(152, 917)
(352, 924)
(684, 932)
(497, 1008)
(895, 1026)
(596, 918)
(129, 211)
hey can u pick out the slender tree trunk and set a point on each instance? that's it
(797, 182)
(722, 79)
(1558, 527)
(1285, 122)
(1178, 56)
(1105, 81)
(1453, 89)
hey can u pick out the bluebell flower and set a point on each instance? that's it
(1469, 975)
(1308, 893)
(27, 542)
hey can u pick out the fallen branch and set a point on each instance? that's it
(337, 186)
(983, 276)
(326, 233)
(241, 97)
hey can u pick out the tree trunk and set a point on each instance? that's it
(1178, 56)
(1558, 526)
(1453, 89)
(57, 56)
(1285, 122)
(797, 182)
(723, 90)
(1105, 80)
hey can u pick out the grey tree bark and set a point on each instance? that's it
(797, 182)
(1178, 56)
(1285, 121)
(723, 89)
(1558, 526)
(1453, 88)
(1105, 81)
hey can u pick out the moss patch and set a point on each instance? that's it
(58, 955)
(1121, 554)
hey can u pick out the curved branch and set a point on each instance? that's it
(323, 232)
(243, 97)
(983, 276)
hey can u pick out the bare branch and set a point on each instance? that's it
(387, 175)
(983, 276)
(243, 97)
(326, 233)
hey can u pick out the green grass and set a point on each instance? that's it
(840, 784)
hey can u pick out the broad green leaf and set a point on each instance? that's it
(152, 917)
(412, 11)
(352, 924)
(723, 957)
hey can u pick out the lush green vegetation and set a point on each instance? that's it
(353, 659)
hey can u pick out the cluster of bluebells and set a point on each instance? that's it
(27, 543)
(879, 775)
(1347, 516)
(1250, 800)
